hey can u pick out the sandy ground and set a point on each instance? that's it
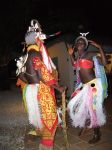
(13, 121)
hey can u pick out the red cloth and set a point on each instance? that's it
(47, 142)
(83, 63)
(75, 93)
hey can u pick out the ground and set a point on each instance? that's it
(14, 123)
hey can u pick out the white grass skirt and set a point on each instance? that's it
(32, 103)
(87, 104)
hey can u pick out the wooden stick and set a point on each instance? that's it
(64, 126)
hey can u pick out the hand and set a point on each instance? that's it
(70, 51)
(62, 89)
(94, 44)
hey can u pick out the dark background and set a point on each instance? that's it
(67, 16)
(54, 15)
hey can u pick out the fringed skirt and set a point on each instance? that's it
(32, 104)
(86, 107)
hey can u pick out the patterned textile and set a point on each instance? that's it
(46, 59)
(46, 96)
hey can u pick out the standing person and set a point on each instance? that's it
(36, 37)
(39, 90)
(86, 103)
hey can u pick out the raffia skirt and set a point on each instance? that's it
(86, 105)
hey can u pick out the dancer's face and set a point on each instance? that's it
(80, 46)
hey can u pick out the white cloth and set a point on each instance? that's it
(34, 114)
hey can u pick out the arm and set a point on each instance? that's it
(72, 57)
(44, 75)
(22, 77)
(103, 57)
(53, 85)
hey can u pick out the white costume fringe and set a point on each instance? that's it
(81, 106)
(59, 113)
(34, 114)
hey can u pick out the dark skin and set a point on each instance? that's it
(87, 75)
(33, 76)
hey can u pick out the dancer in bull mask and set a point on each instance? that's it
(36, 72)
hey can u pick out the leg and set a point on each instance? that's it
(82, 131)
(32, 135)
(47, 141)
(85, 129)
(96, 136)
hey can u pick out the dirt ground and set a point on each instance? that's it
(14, 122)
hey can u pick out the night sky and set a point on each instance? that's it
(93, 16)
